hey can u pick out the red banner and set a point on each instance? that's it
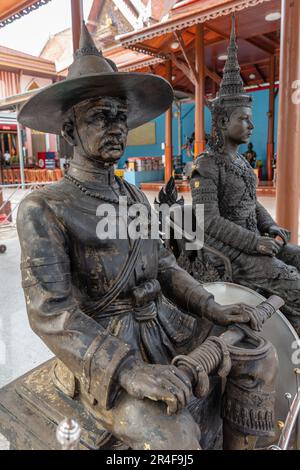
(8, 127)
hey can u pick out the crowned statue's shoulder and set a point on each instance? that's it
(204, 163)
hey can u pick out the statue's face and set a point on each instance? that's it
(102, 128)
(239, 127)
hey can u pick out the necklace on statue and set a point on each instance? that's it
(98, 195)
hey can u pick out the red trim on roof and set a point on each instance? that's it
(8, 50)
(188, 18)
(15, 9)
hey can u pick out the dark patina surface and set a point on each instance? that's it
(235, 223)
(118, 312)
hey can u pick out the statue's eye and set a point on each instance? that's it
(94, 118)
(98, 115)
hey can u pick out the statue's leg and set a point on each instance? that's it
(248, 402)
(290, 254)
(237, 440)
(145, 425)
(271, 275)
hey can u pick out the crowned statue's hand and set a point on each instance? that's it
(276, 231)
(226, 315)
(165, 383)
(268, 246)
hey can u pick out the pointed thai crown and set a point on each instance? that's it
(88, 59)
(232, 92)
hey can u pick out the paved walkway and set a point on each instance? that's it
(20, 348)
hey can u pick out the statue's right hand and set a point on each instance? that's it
(157, 382)
(268, 246)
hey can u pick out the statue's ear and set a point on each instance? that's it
(223, 122)
(67, 132)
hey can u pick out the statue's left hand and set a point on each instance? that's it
(236, 313)
(275, 231)
(156, 382)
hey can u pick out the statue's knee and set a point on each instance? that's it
(255, 366)
(269, 367)
(144, 424)
(263, 369)
(248, 402)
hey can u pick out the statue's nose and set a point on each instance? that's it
(115, 129)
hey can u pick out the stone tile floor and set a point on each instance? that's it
(4, 444)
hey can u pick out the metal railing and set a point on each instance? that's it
(13, 194)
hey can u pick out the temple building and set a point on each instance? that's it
(105, 22)
(20, 75)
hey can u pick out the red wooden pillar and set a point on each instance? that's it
(77, 18)
(1, 178)
(270, 145)
(168, 130)
(288, 161)
(199, 90)
(2, 150)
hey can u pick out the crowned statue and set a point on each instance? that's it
(236, 224)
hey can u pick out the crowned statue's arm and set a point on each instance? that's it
(267, 225)
(205, 186)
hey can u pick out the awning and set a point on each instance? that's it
(11, 10)
(12, 102)
(199, 12)
(174, 38)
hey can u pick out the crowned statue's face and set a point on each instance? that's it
(239, 127)
(99, 128)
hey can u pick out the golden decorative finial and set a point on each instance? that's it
(280, 425)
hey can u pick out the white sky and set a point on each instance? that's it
(30, 33)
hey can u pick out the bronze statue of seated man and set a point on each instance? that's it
(235, 223)
(100, 304)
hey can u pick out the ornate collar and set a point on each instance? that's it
(99, 195)
(93, 178)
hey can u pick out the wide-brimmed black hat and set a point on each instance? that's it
(91, 75)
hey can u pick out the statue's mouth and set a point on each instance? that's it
(115, 148)
(112, 145)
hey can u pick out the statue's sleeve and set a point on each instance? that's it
(91, 354)
(264, 220)
(179, 286)
(204, 187)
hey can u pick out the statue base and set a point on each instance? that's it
(31, 408)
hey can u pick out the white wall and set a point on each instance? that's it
(26, 81)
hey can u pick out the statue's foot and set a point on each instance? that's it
(235, 440)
